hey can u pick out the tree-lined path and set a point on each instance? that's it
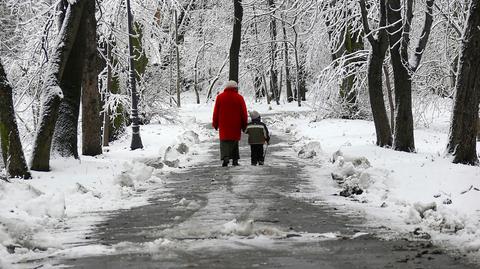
(279, 224)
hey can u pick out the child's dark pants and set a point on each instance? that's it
(257, 154)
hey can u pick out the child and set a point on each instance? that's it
(257, 136)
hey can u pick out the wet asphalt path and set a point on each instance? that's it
(184, 226)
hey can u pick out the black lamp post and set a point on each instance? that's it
(136, 139)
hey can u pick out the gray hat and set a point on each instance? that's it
(254, 115)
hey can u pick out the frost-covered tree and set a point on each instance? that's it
(11, 146)
(53, 93)
(463, 131)
(65, 136)
(91, 121)
(236, 40)
(405, 64)
(378, 40)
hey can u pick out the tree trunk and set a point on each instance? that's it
(379, 112)
(298, 89)
(11, 146)
(52, 92)
(388, 84)
(403, 66)
(136, 139)
(403, 132)
(288, 78)
(302, 83)
(106, 128)
(177, 57)
(65, 136)
(280, 86)
(236, 41)
(91, 121)
(379, 46)
(265, 87)
(273, 54)
(348, 93)
(195, 85)
(257, 84)
(462, 140)
(62, 10)
(114, 122)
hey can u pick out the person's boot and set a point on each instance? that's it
(260, 162)
(235, 163)
(225, 162)
(254, 162)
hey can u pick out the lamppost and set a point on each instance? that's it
(136, 139)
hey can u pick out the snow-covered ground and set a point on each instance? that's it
(421, 193)
(74, 194)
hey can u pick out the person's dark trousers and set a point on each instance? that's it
(257, 154)
(229, 150)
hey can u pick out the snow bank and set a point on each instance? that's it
(249, 228)
(405, 191)
(34, 213)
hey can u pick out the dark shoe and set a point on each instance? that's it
(254, 163)
(225, 162)
(235, 163)
(260, 163)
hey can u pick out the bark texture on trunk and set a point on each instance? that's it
(65, 136)
(177, 61)
(379, 46)
(10, 145)
(236, 41)
(403, 66)
(462, 139)
(52, 92)
(91, 120)
(377, 103)
(273, 54)
(288, 77)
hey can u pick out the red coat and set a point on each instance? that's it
(230, 114)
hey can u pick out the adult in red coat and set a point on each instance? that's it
(231, 118)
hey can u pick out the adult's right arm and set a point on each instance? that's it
(244, 113)
(216, 113)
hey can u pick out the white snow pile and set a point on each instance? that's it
(420, 193)
(147, 247)
(23, 220)
(179, 152)
(134, 174)
(154, 247)
(351, 174)
(310, 150)
(188, 204)
(248, 228)
(359, 181)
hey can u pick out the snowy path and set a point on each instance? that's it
(246, 217)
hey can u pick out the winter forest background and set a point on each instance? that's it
(66, 66)
(320, 48)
